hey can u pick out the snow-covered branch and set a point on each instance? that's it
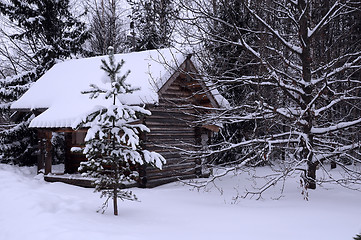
(337, 7)
(290, 46)
(335, 127)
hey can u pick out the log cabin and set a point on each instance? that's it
(170, 86)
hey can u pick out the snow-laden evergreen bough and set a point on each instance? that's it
(112, 144)
(36, 35)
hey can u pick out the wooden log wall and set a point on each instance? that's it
(173, 132)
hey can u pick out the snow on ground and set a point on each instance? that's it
(33, 209)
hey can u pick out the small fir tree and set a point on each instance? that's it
(112, 144)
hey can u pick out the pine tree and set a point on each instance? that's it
(358, 237)
(153, 21)
(43, 32)
(112, 144)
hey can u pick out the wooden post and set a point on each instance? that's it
(68, 144)
(48, 156)
(198, 141)
(41, 157)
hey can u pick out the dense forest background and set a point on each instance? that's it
(290, 69)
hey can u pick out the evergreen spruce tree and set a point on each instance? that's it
(16, 143)
(46, 32)
(358, 237)
(112, 144)
(153, 21)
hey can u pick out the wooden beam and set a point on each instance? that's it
(48, 155)
(213, 128)
(41, 155)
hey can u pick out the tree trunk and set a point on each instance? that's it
(307, 97)
(115, 187)
(115, 163)
(48, 155)
(311, 176)
(115, 200)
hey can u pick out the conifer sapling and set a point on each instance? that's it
(112, 144)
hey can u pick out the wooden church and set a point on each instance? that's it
(169, 86)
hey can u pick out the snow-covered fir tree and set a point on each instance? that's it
(153, 23)
(39, 33)
(113, 144)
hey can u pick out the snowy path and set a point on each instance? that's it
(33, 209)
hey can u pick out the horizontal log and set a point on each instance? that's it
(182, 126)
(170, 128)
(81, 182)
(167, 125)
(181, 92)
(179, 148)
(157, 182)
(77, 182)
(175, 100)
(171, 144)
(170, 107)
(171, 132)
(170, 120)
(177, 161)
(171, 155)
(173, 168)
(172, 115)
(173, 171)
(178, 136)
(179, 173)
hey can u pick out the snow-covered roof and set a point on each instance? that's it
(67, 79)
(59, 89)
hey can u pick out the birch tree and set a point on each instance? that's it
(301, 109)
